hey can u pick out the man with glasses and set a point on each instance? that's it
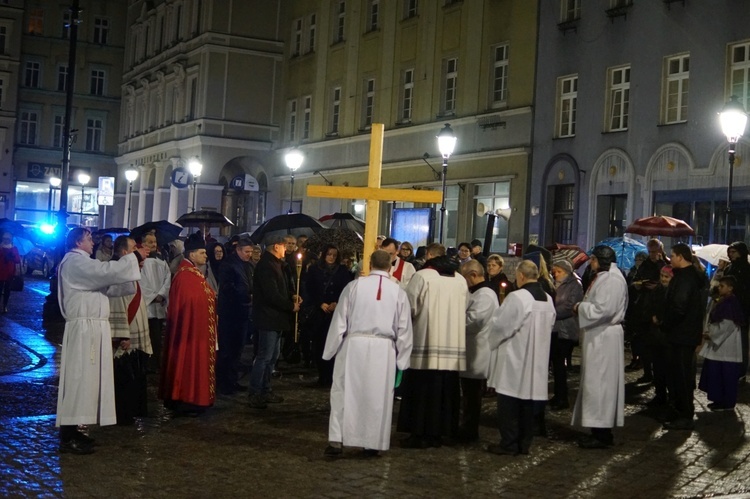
(401, 270)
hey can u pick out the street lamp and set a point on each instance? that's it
(446, 144)
(733, 119)
(196, 168)
(54, 183)
(130, 175)
(83, 179)
(293, 160)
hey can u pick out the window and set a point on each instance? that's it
(562, 213)
(311, 34)
(410, 9)
(306, 118)
(292, 120)
(178, 22)
(368, 104)
(491, 197)
(3, 38)
(373, 9)
(58, 139)
(101, 30)
(676, 88)
(27, 127)
(450, 82)
(407, 96)
(93, 134)
(335, 109)
(740, 73)
(567, 102)
(297, 37)
(36, 21)
(31, 74)
(66, 24)
(62, 78)
(97, 81)
(193, 103)
(339, 22)
(570, 10)
(198, 17)
(500, 75)
(619, 98)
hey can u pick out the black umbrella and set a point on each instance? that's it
(112, 231)
(348, 242)
(345, 220)
(297, 224)
(204, 218)
(17, 229)
(166, 232)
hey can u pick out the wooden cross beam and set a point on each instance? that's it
(374, 194)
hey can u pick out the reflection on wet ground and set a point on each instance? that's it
(233, 450)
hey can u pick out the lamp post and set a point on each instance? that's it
(83, 179)
(733, 119)
(196, 168)
(130, 175)
(446, 143)
(293, 160)
(54, 183)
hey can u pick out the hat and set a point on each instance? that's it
(244, 241)
(475, 243)
(195, 242)
(667, 269)
(563, 264)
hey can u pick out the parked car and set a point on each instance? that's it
(39, 258)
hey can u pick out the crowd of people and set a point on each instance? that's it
(438, 329)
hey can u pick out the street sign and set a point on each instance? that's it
(244, 182)
(106, 192)
(180, 177)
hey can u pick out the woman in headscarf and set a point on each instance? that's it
(324, 283)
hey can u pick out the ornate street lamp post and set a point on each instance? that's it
(446, 144)
(196, 168)
(733, 119)
(83, 179)
(293, 160)
(54, 183)
(130, 175)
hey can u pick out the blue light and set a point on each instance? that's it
(47, 228)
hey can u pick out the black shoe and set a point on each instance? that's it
(370, 453)
(332, 451)
(591, 442)
(74, 446)
(657, 402)
(644, 379)
(716, 407)
(257, 402)
(679, 424)
(84, 439)
(500, 450)
(240, 388)
(272, 398)
(414, 442)
(633, 366)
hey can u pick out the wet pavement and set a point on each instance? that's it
(233, 450)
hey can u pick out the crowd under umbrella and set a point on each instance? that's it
(296, 224)
(660, 226)
(203, 219)
(344, 220)
(166, 232)
(348, 242)
(625, 249)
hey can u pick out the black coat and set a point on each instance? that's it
(682, 316)
(323, 286)
(273, 306)
(236, 288)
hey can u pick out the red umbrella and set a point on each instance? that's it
(660, 226)
(574, 254)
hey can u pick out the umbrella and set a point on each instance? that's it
(660, 226)
(19, 232)
(297, 224)
(204, 218)
(347, 241)
(625, 249)
(112, 231)
(574, 254)
(346, 220)
(166, 232)
(712, 253)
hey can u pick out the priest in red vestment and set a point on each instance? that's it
(188, 379)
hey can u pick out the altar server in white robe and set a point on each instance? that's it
(370, 336)
(156, 280)
(601, 396)
(520, 338)
(86, 389)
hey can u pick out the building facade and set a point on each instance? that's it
(626, 124)
(36, 67)
(201, 81)
(413, 66)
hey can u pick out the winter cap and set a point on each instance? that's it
(195, 242)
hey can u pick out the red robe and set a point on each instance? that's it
(188, 361)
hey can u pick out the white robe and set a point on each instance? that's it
(155, 281)
(86, 391)
(370, 339)
(481, 305)
(520, 338)
(601, 396)
(406, 273)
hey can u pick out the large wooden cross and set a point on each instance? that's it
(373, 193)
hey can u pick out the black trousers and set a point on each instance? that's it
(745, 344)
(516, 422)
(681, 378)
(231, 343)
(155, 332)
(471, 405)
(5, 288)
(560, 350)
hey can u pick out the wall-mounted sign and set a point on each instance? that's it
(244, 183)
(180, 177)
(106, 192)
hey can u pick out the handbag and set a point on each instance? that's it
(16, 283)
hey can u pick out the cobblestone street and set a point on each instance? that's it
(236, 451)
